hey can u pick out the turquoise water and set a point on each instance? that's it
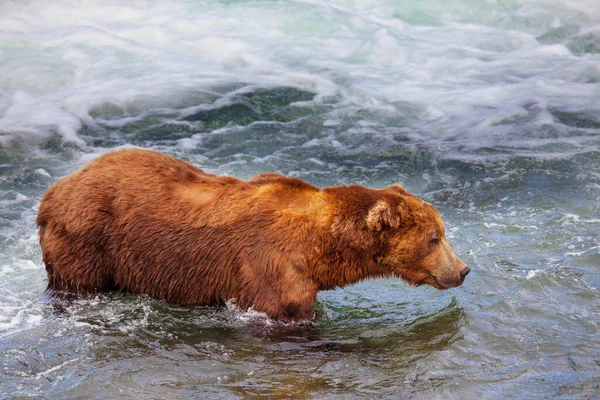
(490, 110)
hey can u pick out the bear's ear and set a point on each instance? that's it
(382, 214)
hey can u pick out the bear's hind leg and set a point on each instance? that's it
(75, 267)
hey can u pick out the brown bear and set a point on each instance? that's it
(143, 222)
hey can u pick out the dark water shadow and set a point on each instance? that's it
(427, 333)
(125, 326)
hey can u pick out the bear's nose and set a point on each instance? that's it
(465, 272)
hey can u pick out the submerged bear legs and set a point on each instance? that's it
(276, 287)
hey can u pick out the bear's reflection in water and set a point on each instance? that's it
(145, 318)
(207, 345)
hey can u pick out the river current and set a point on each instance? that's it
(488, 109)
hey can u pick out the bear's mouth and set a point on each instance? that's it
(435, 282)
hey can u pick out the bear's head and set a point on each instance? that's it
(410, 235)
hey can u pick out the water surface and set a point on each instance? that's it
(490, 110)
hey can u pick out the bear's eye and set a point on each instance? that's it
(434, 239)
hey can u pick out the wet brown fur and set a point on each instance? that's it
(144, 222)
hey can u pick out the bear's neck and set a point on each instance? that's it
(339, 262)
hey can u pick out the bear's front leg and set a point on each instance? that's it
(297, 312)
(278, 289)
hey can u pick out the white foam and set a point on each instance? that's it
(533, 273)
(43, 172)
(527, 227)
(55, 368)
(26, 315)
(248, 316)
(556, 49)
(6, 269)
(65, 59)
(24, 265)
(189, 143)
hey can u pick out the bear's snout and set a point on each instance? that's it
(460, 273)
(448, 270)
(464, 272)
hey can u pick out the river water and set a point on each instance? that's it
(490, 110)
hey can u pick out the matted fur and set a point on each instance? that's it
(144, 222)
